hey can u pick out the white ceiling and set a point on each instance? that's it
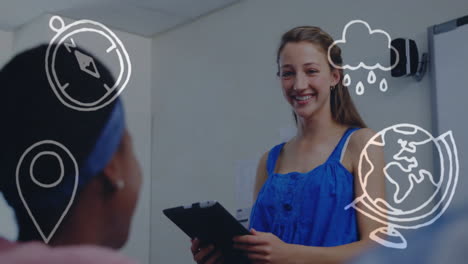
(142, 17)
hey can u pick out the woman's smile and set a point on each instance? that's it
(304, 99)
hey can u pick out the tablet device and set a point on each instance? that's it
(211, 223)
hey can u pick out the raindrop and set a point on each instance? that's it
(383, 85)
(371, 78)
(360, 88)
(347, 80)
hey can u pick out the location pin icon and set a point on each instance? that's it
(47, 202)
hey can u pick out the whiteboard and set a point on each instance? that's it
(448, 47)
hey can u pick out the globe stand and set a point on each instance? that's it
(389, 237)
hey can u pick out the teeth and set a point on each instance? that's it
(303, 98)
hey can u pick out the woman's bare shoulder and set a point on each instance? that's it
(359, 139)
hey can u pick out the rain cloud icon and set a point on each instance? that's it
(372, 78)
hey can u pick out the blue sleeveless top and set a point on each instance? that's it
(308, 208)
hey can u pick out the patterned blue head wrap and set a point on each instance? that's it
(59, 196)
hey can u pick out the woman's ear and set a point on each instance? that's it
(113, 172)
(336, 76)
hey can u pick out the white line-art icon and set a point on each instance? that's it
(404, 174)
(67, 37)
(372, 78)
(47, 144)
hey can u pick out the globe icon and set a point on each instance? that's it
(406, 175)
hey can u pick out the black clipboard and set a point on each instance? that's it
(211, 223)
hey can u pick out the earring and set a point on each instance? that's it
(120, 184)
(332, 88)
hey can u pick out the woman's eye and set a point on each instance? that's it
(311, 71)
(287, 74)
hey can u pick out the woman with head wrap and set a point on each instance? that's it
(33, 171)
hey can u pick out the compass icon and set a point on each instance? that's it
(65, 55)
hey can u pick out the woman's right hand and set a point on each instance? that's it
(205, 254)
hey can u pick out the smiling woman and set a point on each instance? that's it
(303, 185)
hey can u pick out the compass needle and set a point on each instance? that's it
(87, 64)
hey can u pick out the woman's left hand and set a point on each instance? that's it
(263, 247)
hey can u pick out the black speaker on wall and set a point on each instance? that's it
(408, 58)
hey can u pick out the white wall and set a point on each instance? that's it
(6, 46)
(450, 55)
(8, 228)
(216, 99)
(137, 100)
